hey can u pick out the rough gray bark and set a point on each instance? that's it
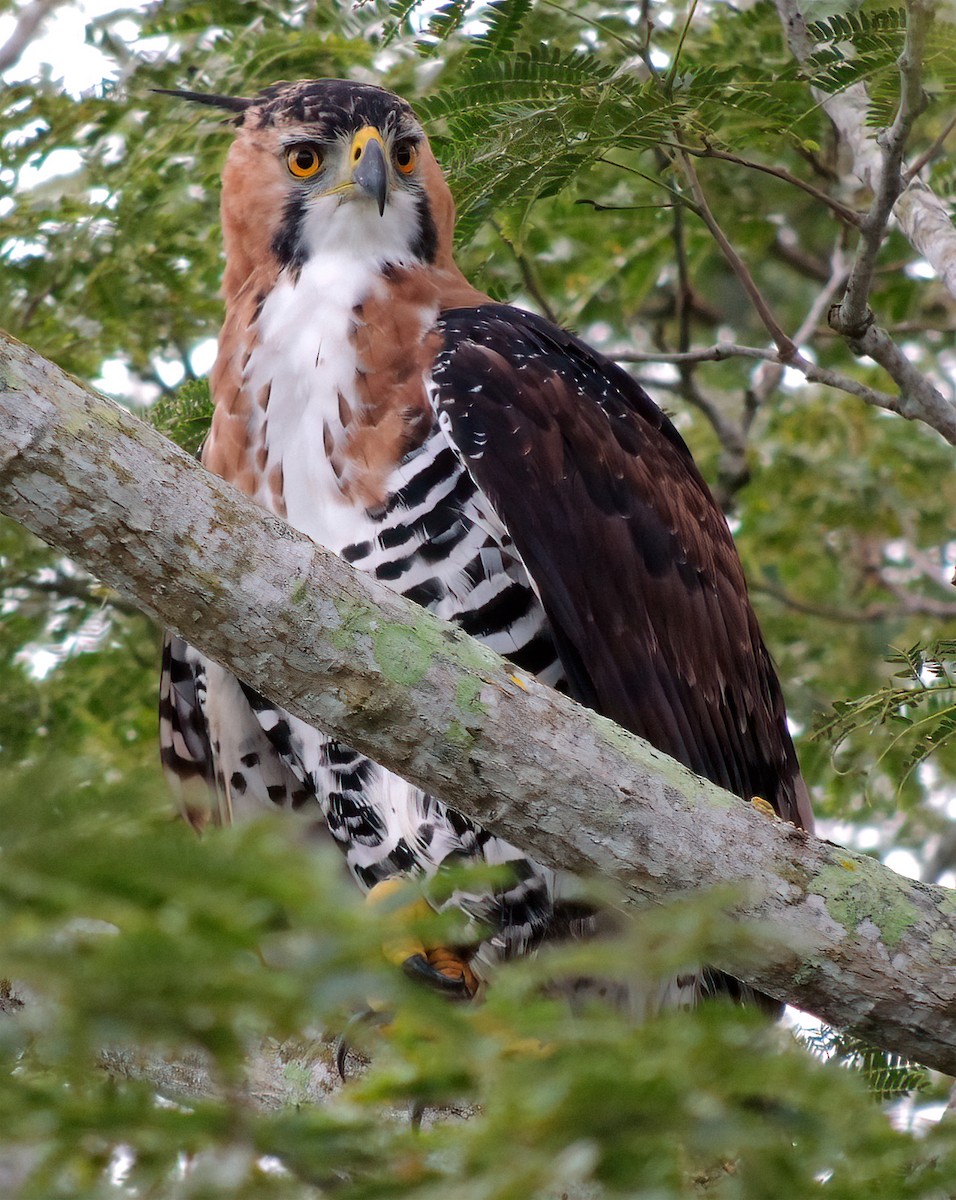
(856, 944)
(877, 161)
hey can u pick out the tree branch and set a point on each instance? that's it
(919, 399)
(923, 218)
(907, 606)
(846, 214)
(724, 350)
(768, 375)
(29, 18)
(785, 346)
(66, 587)
(858, 945)
(853, 315)
(878, 163)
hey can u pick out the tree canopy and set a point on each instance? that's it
(711, 193)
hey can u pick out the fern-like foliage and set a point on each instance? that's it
(888, 1076)
(448, 18)
(184, 416)
(503, 20)
(500, 23)
(516, 128)
(917, 707)
(864, 47)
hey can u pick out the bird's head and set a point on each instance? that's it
(330, 165)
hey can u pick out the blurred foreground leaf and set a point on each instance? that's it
(171, 1041)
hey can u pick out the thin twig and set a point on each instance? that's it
(768, 375)
(799, 259)
(630, 46)
(852, 316)
(675, 59)
(908, 607)
(784, 345)
(929, 154)
(811, 371)
(716, 353)
(732, 471)
(843, 211)
(29, 19)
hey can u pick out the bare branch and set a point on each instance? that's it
(846, 214)
(930, 153)
(29, 19)
(69, 587)
(909, 605)
(929, 226)
(918, 400)
(878, 162)
(853, 314)
(719, 352)
(768, 375)
(799, 260)
(814, 373)
(733, 470)
(923, 218)
(785, 346)
(858, 945)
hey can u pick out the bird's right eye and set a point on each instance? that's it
(303, 160)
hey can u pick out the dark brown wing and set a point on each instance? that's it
(631, 556)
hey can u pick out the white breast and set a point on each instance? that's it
(306, 358)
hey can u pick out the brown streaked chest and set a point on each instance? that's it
(322, 393)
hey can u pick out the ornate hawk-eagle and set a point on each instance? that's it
(480, 461)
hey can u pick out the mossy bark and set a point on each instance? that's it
(856, 944)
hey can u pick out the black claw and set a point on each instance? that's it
(342, 1048)
(418, 967)
(343, 1043)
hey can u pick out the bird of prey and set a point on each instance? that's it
(482, 462)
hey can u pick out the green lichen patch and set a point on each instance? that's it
(299, 592)
(857, 890)
(457, 735)
(943, 939)
(355, 619)
(467, 693)
(403, 653)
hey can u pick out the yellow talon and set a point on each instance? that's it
(385, 889)
(438, 966)
(517, 680)
(401, 945)
(530, 1047)
(434, 964)
(763, 806)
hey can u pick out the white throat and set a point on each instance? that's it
(355, 227)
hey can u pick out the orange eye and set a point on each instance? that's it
(405, 156)
(303, 160)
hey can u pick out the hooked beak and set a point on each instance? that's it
(369, 168)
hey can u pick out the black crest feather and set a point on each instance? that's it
(230, 103)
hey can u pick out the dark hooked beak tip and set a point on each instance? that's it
(372, 174)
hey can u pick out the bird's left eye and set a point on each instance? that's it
(303, 160)
(405, 156)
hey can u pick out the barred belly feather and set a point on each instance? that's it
(434, 538)
(481, 461)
